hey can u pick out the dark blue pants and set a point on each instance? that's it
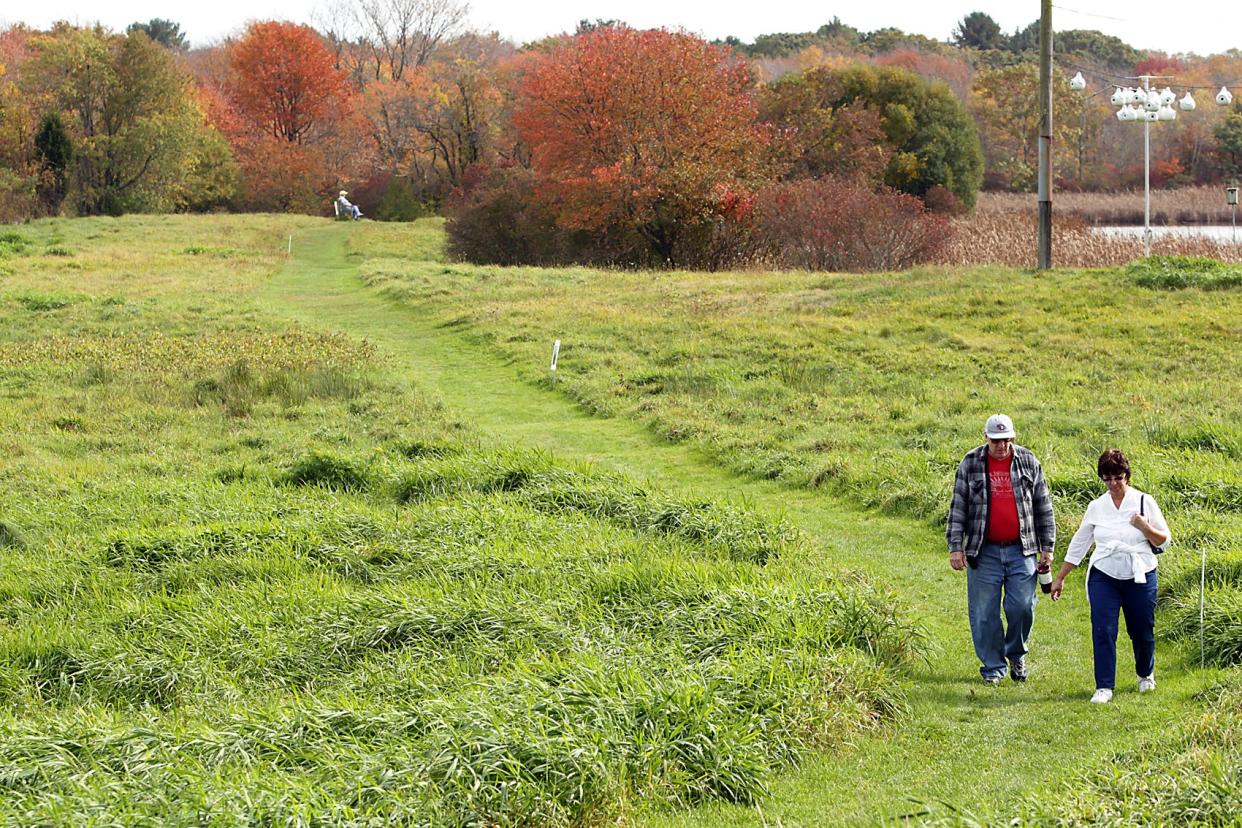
(1137, 602)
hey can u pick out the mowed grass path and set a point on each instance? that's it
(964, 747)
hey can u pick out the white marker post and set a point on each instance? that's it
(289, 249)
(556, 352)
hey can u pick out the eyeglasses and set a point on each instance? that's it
(1112, 478)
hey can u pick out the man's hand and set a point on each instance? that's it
(1058, 586)
(957, 560)
(1046, 557)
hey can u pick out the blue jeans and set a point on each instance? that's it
(1138, 603)
(1002, 569)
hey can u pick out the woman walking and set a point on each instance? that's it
(1128, 531)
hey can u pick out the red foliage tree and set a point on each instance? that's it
(285, 81)
(287, 110)
(651, 131)
(1158, 64)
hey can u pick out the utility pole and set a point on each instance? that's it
(1045, 135)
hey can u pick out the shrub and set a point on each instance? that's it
(832, 224)
(495, 219)
(1176, 272)
(943, 202)
(499, 216)
(400, 202)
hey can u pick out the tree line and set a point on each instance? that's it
(398, 102)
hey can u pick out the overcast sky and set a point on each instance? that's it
(1192, 26)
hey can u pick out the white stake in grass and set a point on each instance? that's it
(556, 352)
(289, 249)
(1202, 585)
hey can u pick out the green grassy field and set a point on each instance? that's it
(281, 548)
(871, 389)
(250, 577)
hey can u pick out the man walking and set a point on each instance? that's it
(1000, 521)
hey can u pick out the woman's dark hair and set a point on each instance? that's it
(1113, 462)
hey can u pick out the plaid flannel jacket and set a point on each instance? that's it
(968, 511)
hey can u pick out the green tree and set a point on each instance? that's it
(140, 137)
(889, 39)
(1025, 40)
(1228, 134)
(930, 139)
(55, 153)
(839, 32)
(978, 30)
(164, 32)
(1097, 49)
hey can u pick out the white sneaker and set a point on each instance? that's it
(1102, 696)
(1147, 683)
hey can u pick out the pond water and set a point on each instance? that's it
(1219, 232)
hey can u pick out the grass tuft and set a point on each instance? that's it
(328, 471)
(10, 537)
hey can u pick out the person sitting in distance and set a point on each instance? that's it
(346, 207)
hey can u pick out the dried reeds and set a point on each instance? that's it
(1004, 230)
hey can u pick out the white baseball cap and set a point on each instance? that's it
(999, 427)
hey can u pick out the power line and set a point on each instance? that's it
(1091, 14)
(1106, 75)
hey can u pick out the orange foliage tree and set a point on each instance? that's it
(289, 115)
(646, 132)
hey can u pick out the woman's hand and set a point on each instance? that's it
(1058, 584)
(1139, 522)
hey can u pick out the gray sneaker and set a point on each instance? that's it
(1018, 670)
(993, 680)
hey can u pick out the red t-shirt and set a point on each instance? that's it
(1003, 509)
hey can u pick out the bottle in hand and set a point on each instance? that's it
(1044, 571)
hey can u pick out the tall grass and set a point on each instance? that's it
(873, 387)
(247, 579)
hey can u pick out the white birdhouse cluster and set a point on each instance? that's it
(1149, 104)
(1140, 104)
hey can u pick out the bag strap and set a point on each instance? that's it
(1155, 550)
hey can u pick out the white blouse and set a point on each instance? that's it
(1121, 550)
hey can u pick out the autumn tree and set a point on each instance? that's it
(284, 82)
(288, 113)
(140, 140)
(384, 39)
(929, 139)
(648, 132)
(441, 117)
(1008, 118)
(813, 138)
